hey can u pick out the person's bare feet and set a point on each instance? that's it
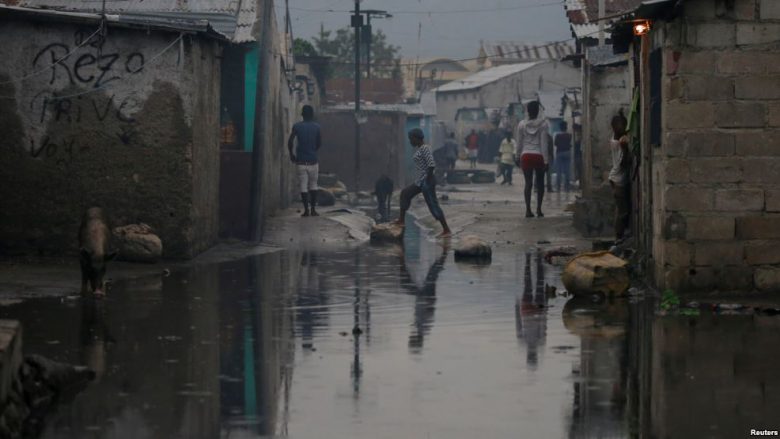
(398, 222)
(445, 234)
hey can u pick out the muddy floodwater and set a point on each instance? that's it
(398, 342)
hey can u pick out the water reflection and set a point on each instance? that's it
(599, 399)
(265, 347)
(425, 298)
(530, 313)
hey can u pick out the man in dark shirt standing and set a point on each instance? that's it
(305, 158)
(563, 156)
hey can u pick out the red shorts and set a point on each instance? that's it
(529, 162)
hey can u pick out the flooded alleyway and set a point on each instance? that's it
(396, 342)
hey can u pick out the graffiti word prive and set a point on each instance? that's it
(75, 109)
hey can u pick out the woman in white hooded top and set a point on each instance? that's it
(532, 150)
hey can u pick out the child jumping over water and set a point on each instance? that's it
(425, 182)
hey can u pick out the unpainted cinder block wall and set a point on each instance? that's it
(717, 174)
(130, 125)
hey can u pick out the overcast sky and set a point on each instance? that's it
(447, 34)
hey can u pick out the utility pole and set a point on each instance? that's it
(368, 37)
(368, 34)
(357, 23)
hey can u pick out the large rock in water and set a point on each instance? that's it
(596, 273)
(471, 247)
(137, 243)
(387, 233)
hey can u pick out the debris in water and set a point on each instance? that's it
(343, 333)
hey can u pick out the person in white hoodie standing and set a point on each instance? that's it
(533, 155)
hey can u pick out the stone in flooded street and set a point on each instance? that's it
(387, 233)
(94, 251)
(473, 248)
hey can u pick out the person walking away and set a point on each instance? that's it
(551, 155)
(507, 157)
(562, 143)
(578, 153)
(307, 133)
(451, 152)
(534, 155)
(618, 175)
(425, 183)
(472, 144)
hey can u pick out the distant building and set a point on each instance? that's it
(374, 90)
(498, 87)
(424, 75)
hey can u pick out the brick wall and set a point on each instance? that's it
(718, 179)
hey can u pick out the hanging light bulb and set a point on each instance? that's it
(641, 28)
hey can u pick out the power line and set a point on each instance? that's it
(437, 12)
(37, 72)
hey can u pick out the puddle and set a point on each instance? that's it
(397, 342)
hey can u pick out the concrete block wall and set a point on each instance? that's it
(718, 178)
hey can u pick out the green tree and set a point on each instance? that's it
(340, 46)
(302, 47)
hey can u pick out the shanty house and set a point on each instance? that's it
(122, 108)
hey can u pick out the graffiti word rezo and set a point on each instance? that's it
(95, 69)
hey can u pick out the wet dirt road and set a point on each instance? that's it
(396, 342)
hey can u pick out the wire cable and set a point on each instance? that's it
(37, 72)
(104, 86)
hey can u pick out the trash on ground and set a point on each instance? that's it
(138, 243)
(599, 272)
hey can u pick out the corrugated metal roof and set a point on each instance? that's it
(234, 19)
(486, 76)
(588, 30)
(513, 50)
(604, 56)
(124, 20)
(583, 15)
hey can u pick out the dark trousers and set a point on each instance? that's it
(429, 193)
(506, 172)
(534, 176)
(622, 196)
(562, 168)
(383, 206)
